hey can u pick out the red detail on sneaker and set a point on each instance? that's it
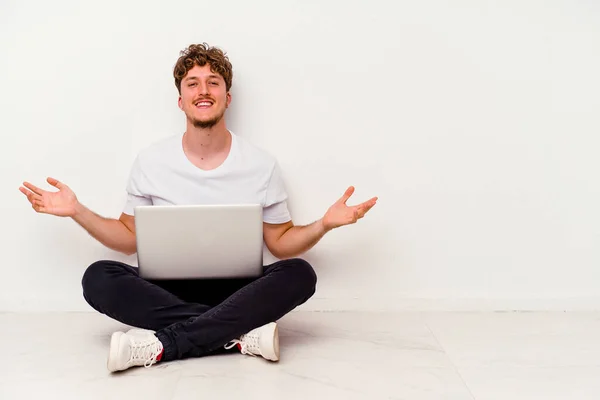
(158, 357)
(239, 346)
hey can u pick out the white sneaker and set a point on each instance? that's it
(135, 348)
(263, 341)
(140, 331)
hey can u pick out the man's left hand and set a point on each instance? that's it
(340, 214)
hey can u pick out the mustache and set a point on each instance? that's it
(203, 99)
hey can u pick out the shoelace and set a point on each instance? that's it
(146, 351)
(249, 345)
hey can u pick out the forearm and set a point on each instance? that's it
(110, 232)
(299, 239)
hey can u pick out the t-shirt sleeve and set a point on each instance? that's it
(276, 210)
(135, 192)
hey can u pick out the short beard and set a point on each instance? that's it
(207, 124)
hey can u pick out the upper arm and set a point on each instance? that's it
(273, 232)
(128, 221)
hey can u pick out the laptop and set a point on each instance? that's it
(199, 241)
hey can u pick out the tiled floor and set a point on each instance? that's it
(508, 356)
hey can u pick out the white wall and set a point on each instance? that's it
(475, 122)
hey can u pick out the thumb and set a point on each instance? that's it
(55, 183)
(346, 195)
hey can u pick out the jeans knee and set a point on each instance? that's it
(94, 280)
(92, 275)
(304, 274)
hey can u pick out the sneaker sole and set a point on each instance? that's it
(113, 353)
(270, 335)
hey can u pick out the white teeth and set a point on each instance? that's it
(203, 103)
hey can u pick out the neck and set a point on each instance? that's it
(206, 142)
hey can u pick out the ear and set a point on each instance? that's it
(179, 103)
(228, 99)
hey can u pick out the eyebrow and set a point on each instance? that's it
(195, 78)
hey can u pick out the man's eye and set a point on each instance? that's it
(214, 83)
(191, 85)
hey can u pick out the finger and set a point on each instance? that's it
(34, 197)
(55, 182)
(40, 207)
(24, 191)
(365, 210)
(369, 202)
(346, 195)
(33, 188)
(365, 207)
(30, 195)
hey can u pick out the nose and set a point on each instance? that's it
(203, 88)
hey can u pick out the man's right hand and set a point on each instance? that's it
(62, 203)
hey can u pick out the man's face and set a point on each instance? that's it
(204, 97)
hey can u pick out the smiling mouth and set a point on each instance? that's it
(203, 104)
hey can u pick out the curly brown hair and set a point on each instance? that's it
(201, 54)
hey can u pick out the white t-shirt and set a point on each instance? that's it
(162, 175)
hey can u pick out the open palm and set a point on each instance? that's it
(62, 203)
(340, 214)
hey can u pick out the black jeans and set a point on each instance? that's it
(193, 318)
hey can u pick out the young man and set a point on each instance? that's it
(205, 165)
